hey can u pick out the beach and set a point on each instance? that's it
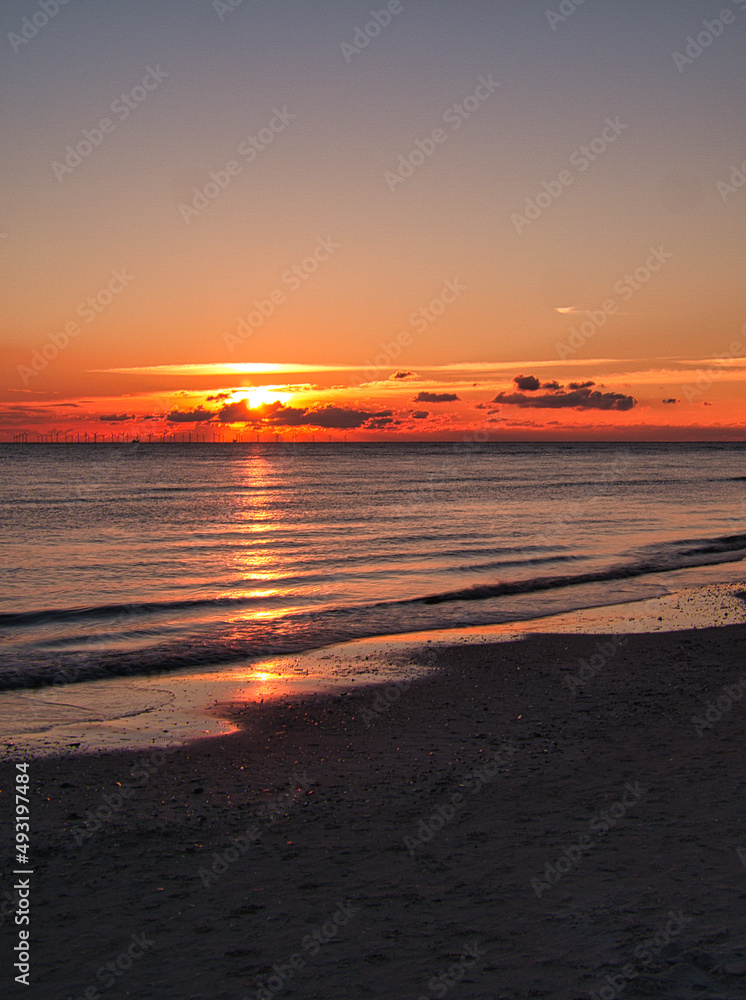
(373, 502)
(555, 816)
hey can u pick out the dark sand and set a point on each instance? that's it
(369, 779)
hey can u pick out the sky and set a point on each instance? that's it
(402, 220)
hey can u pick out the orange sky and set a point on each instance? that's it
(601, 399)
(467, 200)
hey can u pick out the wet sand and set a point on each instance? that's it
(559, 816)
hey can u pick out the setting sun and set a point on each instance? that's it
(261, 395)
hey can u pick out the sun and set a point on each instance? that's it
(259, 395)
(262, 394)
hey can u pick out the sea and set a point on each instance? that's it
(142, 558)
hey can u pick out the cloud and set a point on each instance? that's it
(671, 400)
(198, 416)
(566, 309)
(398, 375)
(116, 418)
(339, 416)
(236, 413)
(577, 399)
(551, 385)
(527, 383)
(420, 414)
(220, 397)
(379, 423)
(580, 385)
(329, 416)
(435, 397)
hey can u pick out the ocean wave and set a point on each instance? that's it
(121, 651)
(672, 556)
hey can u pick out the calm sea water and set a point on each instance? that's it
(138, 558)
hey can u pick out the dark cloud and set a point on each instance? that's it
(236, 413)
(66, 404)
(401, 375)
(435, 397)
(338, 416)
(706, 404)
(580, 385)
(198, 416)
(578, 399)
(420, 414)
(278, 415)
(116, 418)
(671, 400)
(528, 383)
(380, 423)
(551, 385)
(220, 397)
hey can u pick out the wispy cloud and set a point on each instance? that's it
(272, 367)
(223, 368)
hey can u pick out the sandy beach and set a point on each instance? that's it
(559, 816)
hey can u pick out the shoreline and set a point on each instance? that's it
(489, 807)
(166, 710)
